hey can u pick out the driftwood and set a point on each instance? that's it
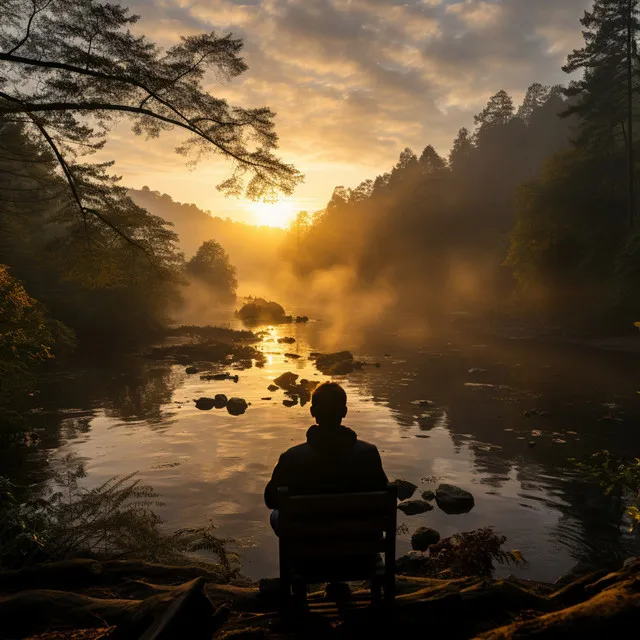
(185, 607)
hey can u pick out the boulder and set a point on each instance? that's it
(272, 388)
(205, 404)
(452, 499)
(412, 563)
(290, 402)
(334, 364)
(236, 406)
(405, 489)
(220, 401)
(293, 356)
(428, 496)
(191, 370)
(302, 319)
(423, 538)
(414, 507)
(286, 380)
(261, 311)
(286, 340)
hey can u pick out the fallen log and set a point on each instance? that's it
(185, 607)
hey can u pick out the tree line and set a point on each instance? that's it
(532, 210)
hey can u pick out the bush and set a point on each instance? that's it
(115, 519)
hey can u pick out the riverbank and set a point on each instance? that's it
(117, 599)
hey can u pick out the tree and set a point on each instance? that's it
(499, 111)
(536, 96)
(69, 68)
(211, 265)
(430, 162)
(604, 97)
(28, 336)
(461, 149)
(87, 274)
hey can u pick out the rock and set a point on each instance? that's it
(191, 370)
(452, 499)
(414, 507)
(272, 388)
(220, 401)
(286, 380)
(293, 356)
(423, 538)
(205, 404)
(476, 370)
(215, 376)
(261, 311)
(267, 398)
(405, 489)
(302, 319)
(290, 403)
(412, 563)
(286, 340)
(423, 403)
(335, 364)
(428, 496)
(236, 406)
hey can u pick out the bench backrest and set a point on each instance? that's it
(335, 525)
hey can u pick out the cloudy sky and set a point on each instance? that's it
(354, 81)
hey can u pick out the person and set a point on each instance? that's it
(332, 460)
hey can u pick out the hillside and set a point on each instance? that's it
(253, 250)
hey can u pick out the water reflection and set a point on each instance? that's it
(501, 420)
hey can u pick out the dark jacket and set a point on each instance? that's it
(332, 460)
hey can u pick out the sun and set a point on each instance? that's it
(274, 214)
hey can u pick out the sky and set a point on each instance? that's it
(353, 83)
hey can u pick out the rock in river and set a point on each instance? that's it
(428, 495)
(286, 380)
(204, 404)
(414, 507)
(405, 489)
(220, 401)
(452, 499)
(191, 370)
(423, 538)
(237, 406)
(273, 387)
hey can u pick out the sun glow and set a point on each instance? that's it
(274, 214)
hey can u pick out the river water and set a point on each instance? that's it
(133, 414)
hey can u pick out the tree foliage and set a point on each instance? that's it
(69, 69)
(211, 265)
(434, 225)
(87, 273)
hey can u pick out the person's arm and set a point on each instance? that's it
(379, 478)
(278, 479)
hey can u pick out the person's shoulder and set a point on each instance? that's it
(295, 451)
(363, 446)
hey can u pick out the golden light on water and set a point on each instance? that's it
(274, 214)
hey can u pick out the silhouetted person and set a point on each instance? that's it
(332, 460)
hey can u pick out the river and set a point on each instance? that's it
(120, 415)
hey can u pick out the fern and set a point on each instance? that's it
(116, 518)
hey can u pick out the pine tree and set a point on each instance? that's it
(604, 96)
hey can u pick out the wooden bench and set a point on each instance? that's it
(337, 538)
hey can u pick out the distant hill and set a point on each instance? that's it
(253, 250)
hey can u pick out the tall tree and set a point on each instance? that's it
(69, 68)
(461, 149)
(605, 94)
(211, 265)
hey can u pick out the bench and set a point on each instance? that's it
(337, 538)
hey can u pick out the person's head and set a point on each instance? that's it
(329, 404)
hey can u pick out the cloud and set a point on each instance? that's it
(356, 81)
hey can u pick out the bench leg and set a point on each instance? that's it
(376, 590)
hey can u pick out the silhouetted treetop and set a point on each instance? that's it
(70, 68)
